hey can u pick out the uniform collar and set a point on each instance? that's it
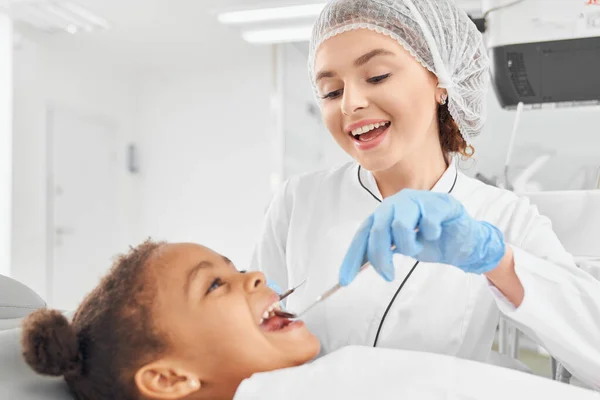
(444, 185)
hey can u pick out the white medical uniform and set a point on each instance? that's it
(367, 373)
(441, 309)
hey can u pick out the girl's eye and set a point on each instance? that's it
(377, 79)
(217, 283)
(332, 95)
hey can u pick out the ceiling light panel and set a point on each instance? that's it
(54, 16)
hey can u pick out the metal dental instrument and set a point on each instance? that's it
(328, 293)
(292, 290)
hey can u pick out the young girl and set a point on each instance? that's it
(178, 321)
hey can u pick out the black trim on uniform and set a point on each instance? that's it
(387, 310)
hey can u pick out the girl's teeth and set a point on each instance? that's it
(269, 312)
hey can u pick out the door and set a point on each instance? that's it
(82, 204)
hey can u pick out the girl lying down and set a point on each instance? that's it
(178, 321)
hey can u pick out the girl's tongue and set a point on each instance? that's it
(274, 323)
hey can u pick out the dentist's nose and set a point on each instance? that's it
(353, 100)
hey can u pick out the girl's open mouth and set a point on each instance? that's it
(275, 323)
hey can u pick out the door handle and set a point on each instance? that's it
(64, 231)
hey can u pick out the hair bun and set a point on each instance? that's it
(50, 345)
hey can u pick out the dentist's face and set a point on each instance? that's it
(369, 84)
(214, 318)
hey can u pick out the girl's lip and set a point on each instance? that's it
(297, 324)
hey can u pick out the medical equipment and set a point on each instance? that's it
(290, 291)
(328, 293)
(438, 33)
(549, 55)
(575, 217)
(16, 302)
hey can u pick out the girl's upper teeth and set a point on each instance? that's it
(366, 128)
(269, 311)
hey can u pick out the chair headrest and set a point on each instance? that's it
(17, 300)
(18, 381)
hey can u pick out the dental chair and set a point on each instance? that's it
(16, 302)
(17, 380)
(575, 217)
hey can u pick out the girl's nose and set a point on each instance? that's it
(254, 280)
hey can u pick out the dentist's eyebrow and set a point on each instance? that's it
(192, 274)
(365, 58)
(324, 74)
(359, 62)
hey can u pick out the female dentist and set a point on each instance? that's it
(401, 86)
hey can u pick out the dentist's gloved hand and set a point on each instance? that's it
(274, 286)
(427, 226)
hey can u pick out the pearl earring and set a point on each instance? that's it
(194, 384)
(443, 98)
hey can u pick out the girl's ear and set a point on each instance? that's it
(163, 379)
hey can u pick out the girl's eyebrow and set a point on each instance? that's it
(193, 273)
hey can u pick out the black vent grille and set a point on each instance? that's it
(518, 74)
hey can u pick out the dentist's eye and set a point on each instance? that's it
(332, 95)
(217, 283)
(378, 79)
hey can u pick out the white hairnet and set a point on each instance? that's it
(437, 33)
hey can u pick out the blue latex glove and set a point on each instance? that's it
(274, 286)
(446, 235)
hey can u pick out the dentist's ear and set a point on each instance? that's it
(162, 381)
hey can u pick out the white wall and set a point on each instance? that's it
(205, 151)
(204, 133)
(308, 144)
(6, 43)
(60, 71)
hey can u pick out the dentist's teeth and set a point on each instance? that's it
(363, 129)
(367, 128)
(265, 315)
